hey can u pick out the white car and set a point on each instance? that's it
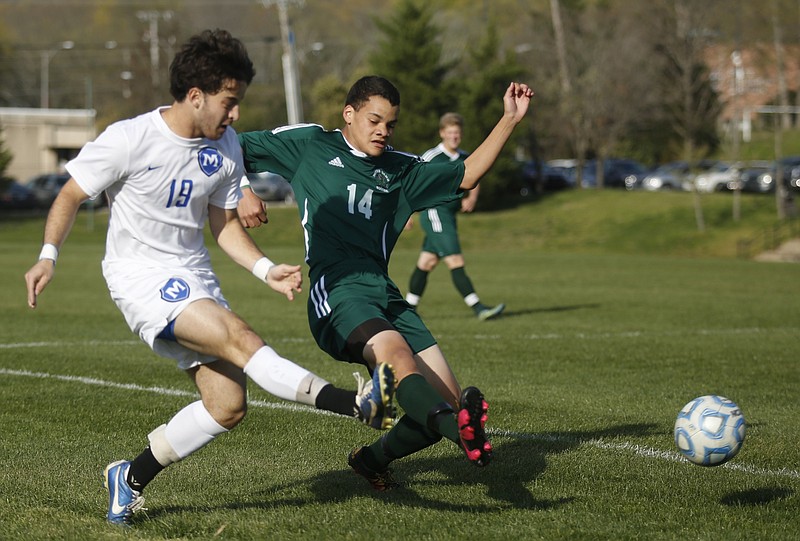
(670, 176)
(720, 178)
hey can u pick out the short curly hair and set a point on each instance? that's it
(206, 61)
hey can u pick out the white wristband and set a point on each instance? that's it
(261, 268)
(49, 251)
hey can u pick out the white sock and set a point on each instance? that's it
(412, 299)
(283, 378)
(191, 429)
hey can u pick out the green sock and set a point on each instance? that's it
(464, 286)
(419, 279)
(418, 398)
(405, 438)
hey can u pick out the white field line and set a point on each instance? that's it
(646, 452)
(547, 336)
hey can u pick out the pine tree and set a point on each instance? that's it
(409, 55)
(481, 105)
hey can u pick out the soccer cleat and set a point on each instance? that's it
(471, 420)
(380, 480)
(123, 501)
(491, 313)
(374, 397)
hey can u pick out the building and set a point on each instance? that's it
(748, 81)
(43, 140)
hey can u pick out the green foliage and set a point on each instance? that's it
(5, 159)
(328, 97)
(480, 102)
(409, 55)
(584, 376)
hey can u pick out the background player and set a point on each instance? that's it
(441, 229)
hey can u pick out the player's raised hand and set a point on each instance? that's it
(516, 100)
(285, 279)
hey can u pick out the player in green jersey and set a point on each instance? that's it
(441, 228)
(355, 194)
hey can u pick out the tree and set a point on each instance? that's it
(691, 105)
(5, 159)
(480, 104)
(409, 54)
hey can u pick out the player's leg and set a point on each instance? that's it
(462, 282)
(221, 407)
(426, 262)
(211, 329)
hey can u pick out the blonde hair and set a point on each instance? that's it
(451, 119)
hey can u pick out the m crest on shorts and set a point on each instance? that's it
(382, 180)
(210, 160)
(175, 290)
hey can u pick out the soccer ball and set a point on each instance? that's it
(709, 430)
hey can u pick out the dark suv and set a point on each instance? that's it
(46, 187)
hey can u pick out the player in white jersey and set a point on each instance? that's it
(166, 172)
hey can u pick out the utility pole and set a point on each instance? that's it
(152, 17)
(291, 78)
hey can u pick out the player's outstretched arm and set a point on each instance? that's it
(234, 241)
(59, 223)
(286, 279)
(516, 100)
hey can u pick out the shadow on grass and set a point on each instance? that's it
(756, 496)
(508, 314)
(520, 459)
(548, 310)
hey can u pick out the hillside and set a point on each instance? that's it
(587, 221)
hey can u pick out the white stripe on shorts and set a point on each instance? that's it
(319, 297)
(436, 223)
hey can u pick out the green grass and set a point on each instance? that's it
(604, 340)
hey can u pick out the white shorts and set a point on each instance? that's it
(150, 298)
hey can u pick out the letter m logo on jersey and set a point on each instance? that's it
(175, 290)
(210, 160)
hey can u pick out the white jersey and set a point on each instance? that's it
(159, 185)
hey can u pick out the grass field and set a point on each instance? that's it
(603, 342)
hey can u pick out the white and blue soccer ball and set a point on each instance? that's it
(710, 430)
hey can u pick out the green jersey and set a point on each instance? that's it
(353, 207)
(439, 154)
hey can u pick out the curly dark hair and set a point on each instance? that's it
(371, 85)
(206, 61)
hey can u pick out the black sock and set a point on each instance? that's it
(337, 400)
(143, 469)
(418, 281)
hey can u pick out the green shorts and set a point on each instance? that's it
(344, 312)
(441, 231)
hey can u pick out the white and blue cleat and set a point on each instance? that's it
(123, 501)
(374, 397)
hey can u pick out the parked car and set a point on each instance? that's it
(787, 165)
(720, 178)
(46, 187)
(750, 175)
(271, 187)
(617, 173)
(538, 175)
(17, 197)
(670, 176)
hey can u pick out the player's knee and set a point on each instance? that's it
(229, 415)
